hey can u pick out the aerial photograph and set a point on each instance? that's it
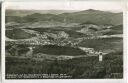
(58, 41)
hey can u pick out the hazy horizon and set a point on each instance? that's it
(74, 6)
(58, 11)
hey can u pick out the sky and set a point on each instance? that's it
(114, 6)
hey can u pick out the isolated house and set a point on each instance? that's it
(100, 56)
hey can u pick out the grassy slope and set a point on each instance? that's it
(108, 44)
(18, 34)
(88, 67)
(58, 50)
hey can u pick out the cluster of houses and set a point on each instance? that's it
(43, 40)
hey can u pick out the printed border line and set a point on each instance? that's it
(49, 81)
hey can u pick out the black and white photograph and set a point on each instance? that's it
(78, 40)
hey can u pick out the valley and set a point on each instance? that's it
(65, 44)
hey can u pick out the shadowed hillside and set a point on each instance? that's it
(18, 34)
(97, 17)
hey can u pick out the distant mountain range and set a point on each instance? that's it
(22, 13)
(91, 16)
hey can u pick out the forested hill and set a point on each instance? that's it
(93, 16)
